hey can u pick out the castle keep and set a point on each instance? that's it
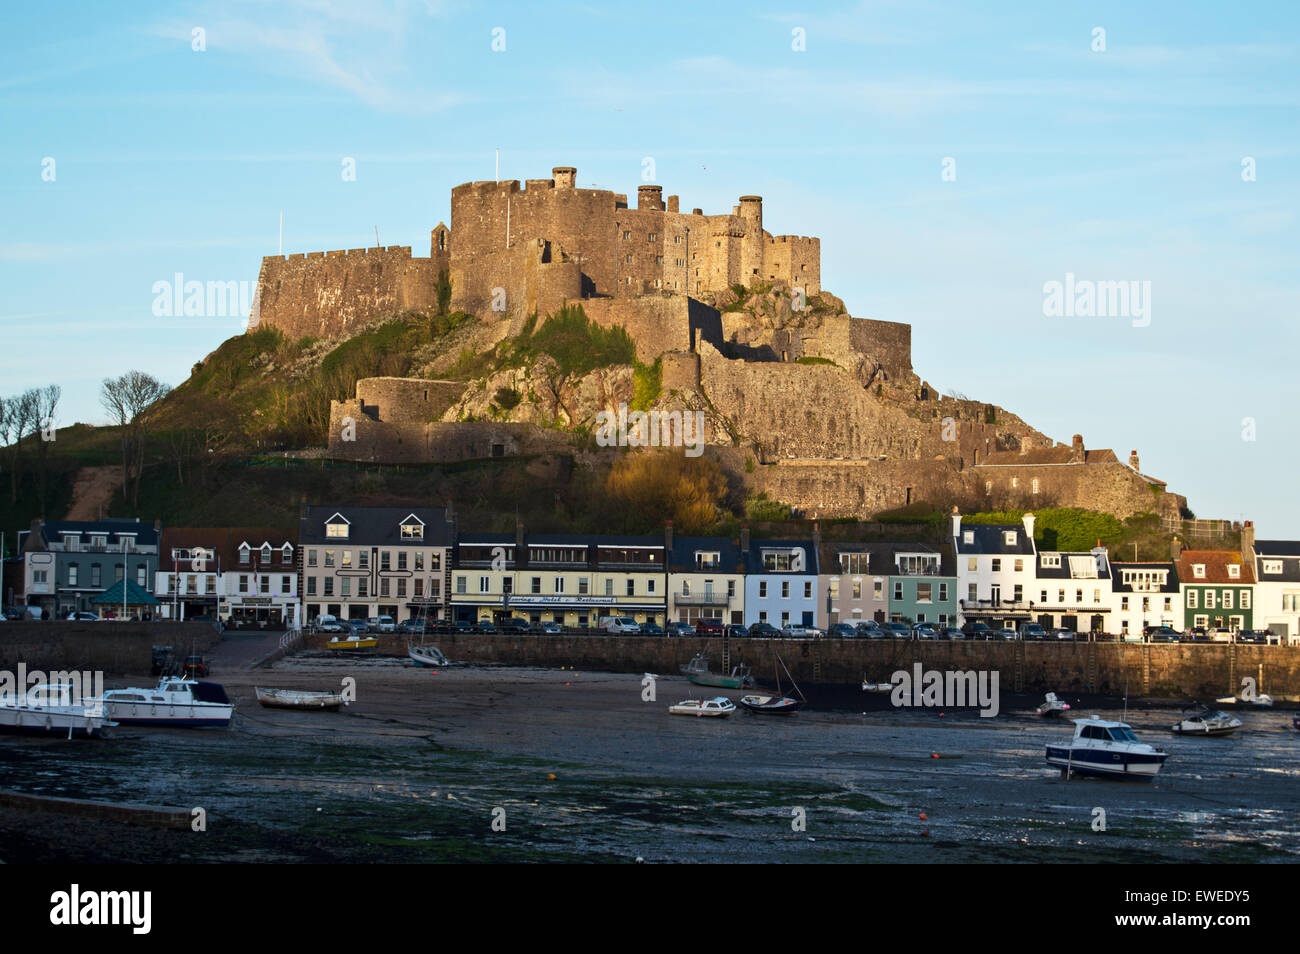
(518, 249)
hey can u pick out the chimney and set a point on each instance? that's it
(1248, 542)
(157, 524)
(519, 538)
(650, 197)
(1175, 549)
(956, 523)
(1076, 449)
(673, 203)
(744, 538)
(302, 507)
(668, 539)
(1133, 460)
(1028, 521)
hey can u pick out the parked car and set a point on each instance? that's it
(1260, 636)
(796, 631)
(325, 623)
(516, 624)
(763, 631)
(870, 629)
(81, 616)
(950, 632)
(736, 631)
(1064, 634)
(551, 628)
(619, 625)
(14, 613)
(674, 628)
(486, 627)
(651, 628)
(1032, 631)
(463, 626)
(1220, 635)
(1161, 634)
(978, 631)
(843, 631)
(707, 626)
(896, 630)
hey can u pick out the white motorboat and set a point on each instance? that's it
(869, 686)
(298, 699)
(719, 707)
(1106, 748)
(1052, 706)
(1202, 720)
(427, 656)
(184, 703)
(53, 709)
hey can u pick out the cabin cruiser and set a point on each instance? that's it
(1202, 720)
(184, 703)
(719, 707)
(53, 708)
(1053, 706)
(1261, 701)
(1106, 748)
(429, 657)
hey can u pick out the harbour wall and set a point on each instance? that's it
(1194, 671)
(117, 648)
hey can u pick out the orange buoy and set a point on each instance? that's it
(923, 818)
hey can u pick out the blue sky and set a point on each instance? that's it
(1123, 164)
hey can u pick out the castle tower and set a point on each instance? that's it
(751, 247)
(650, 197)
(564, 176)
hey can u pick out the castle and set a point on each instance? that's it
(827, 402)
(516, 251)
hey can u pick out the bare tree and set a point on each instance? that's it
(46, 404)
(17, 420)
(127, 400)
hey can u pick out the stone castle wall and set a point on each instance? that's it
(326, 293)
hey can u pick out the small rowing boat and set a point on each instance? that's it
(298, 699)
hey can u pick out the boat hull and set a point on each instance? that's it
(717, 681)
(182, 716)
(701, 713)
(427, 660)
(772, 705)
(52, 723)
(280, 699)
(1210, 731)
(1091, 761)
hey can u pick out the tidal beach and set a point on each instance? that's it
(488, 763)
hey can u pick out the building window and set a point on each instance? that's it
(631, 587)
(1034, 484)
(329, 557)
(1020, 566)
(401, 560)
(460, 585)
(649, 586)
(997, 565)
(1191, 599)
(807, 590)
(311, 557)
(785, 589)
(970, 593)
(72, 575)
(731, 589)
(95, 570)
(833, 588)
(401, 588)
(243, 583)
(385, 561)
(485, 584)
(363, 559)
(1227, 599)
(363, 588)
(285, 587)
(584, 585)
(559, 585)
(536, 585)
(1234, 571)
(345, 586)
(412, 531)
(385, 586)
(877, 589)
(627, 235)
(1198, 571)
(1209, 599)
(924, 593)
(329, 586)
(943, 592)
(265, 586)
(1245, 600)
(339, 530)
(898, 589)
(345, 558)
(762, 589)
(311, 586)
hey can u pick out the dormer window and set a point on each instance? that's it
(243, 553)
(1051, 560)
(286, 554)
(1234, 571)
(1272, 566)
(968, 537)
(266, 553)
(339, 530)
(412, 531)
(1198, 571)
(707, 559)
(1009, 538)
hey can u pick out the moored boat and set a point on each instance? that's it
(877, 687)
(719, 707)
(175, 701)
(1052, 706)
(697, 670)
(1100, 747)
(352, 643)
(764, 704)
(298, 699)
(53, 709)
(1202, 720)
(426, 656)
(1261, 701)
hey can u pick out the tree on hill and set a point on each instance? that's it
(128, 400)
(667, 484)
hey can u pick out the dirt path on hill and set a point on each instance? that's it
(92, 490)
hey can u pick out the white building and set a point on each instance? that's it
(995, 572)
(1142, 595)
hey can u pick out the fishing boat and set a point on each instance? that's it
(352, 642)
(298, 699)
(1106, 748)
(872, 686)
(176, 702)
(767, 704)
(697, 670)
(719, 707)
(426, 656)
(1052, 706)
(53, 709)
(1202, 720)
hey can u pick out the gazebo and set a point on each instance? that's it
(137, 598)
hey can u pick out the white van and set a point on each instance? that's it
(619, 624)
